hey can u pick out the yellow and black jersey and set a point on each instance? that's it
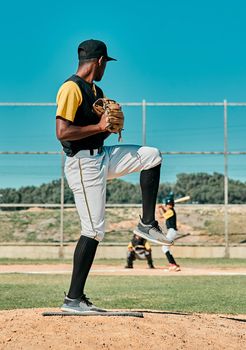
(170, 217)
(74, 104)
(69, 98)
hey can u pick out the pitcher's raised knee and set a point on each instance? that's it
(150, 157)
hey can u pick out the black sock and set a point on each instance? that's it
(170, 258)
(83, 258)
(149, 183)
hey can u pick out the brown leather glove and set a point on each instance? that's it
(113, 111)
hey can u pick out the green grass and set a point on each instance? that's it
(213, 294)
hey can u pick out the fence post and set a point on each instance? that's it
(227, 254)
(144, 122)
(61, 249)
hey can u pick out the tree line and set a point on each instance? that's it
(203, 188)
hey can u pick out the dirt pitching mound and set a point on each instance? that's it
(28, 329)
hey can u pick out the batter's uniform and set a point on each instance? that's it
(171, 225)
(89, 163)
(172, 233)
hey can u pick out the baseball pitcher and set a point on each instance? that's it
(85, 118)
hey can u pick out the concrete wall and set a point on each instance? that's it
(106, 251)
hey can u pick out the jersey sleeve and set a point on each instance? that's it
(69, 98)
(147, 245)
(168, 214)
(130, 246)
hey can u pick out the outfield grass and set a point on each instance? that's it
(213, 294)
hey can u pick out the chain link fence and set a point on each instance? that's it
(58, 223)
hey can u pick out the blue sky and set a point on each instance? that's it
(168, 51)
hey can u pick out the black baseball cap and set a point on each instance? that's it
(93, 49)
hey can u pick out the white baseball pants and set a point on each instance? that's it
(87, 176)
(171, 235)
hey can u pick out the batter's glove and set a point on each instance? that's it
(114, 114)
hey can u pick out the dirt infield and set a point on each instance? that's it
(28, 329)
(120, 270)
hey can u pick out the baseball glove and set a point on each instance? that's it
(115, 116)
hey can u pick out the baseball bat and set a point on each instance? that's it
(182, 199)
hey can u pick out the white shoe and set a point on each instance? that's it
(80, 305)
(174, 268)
